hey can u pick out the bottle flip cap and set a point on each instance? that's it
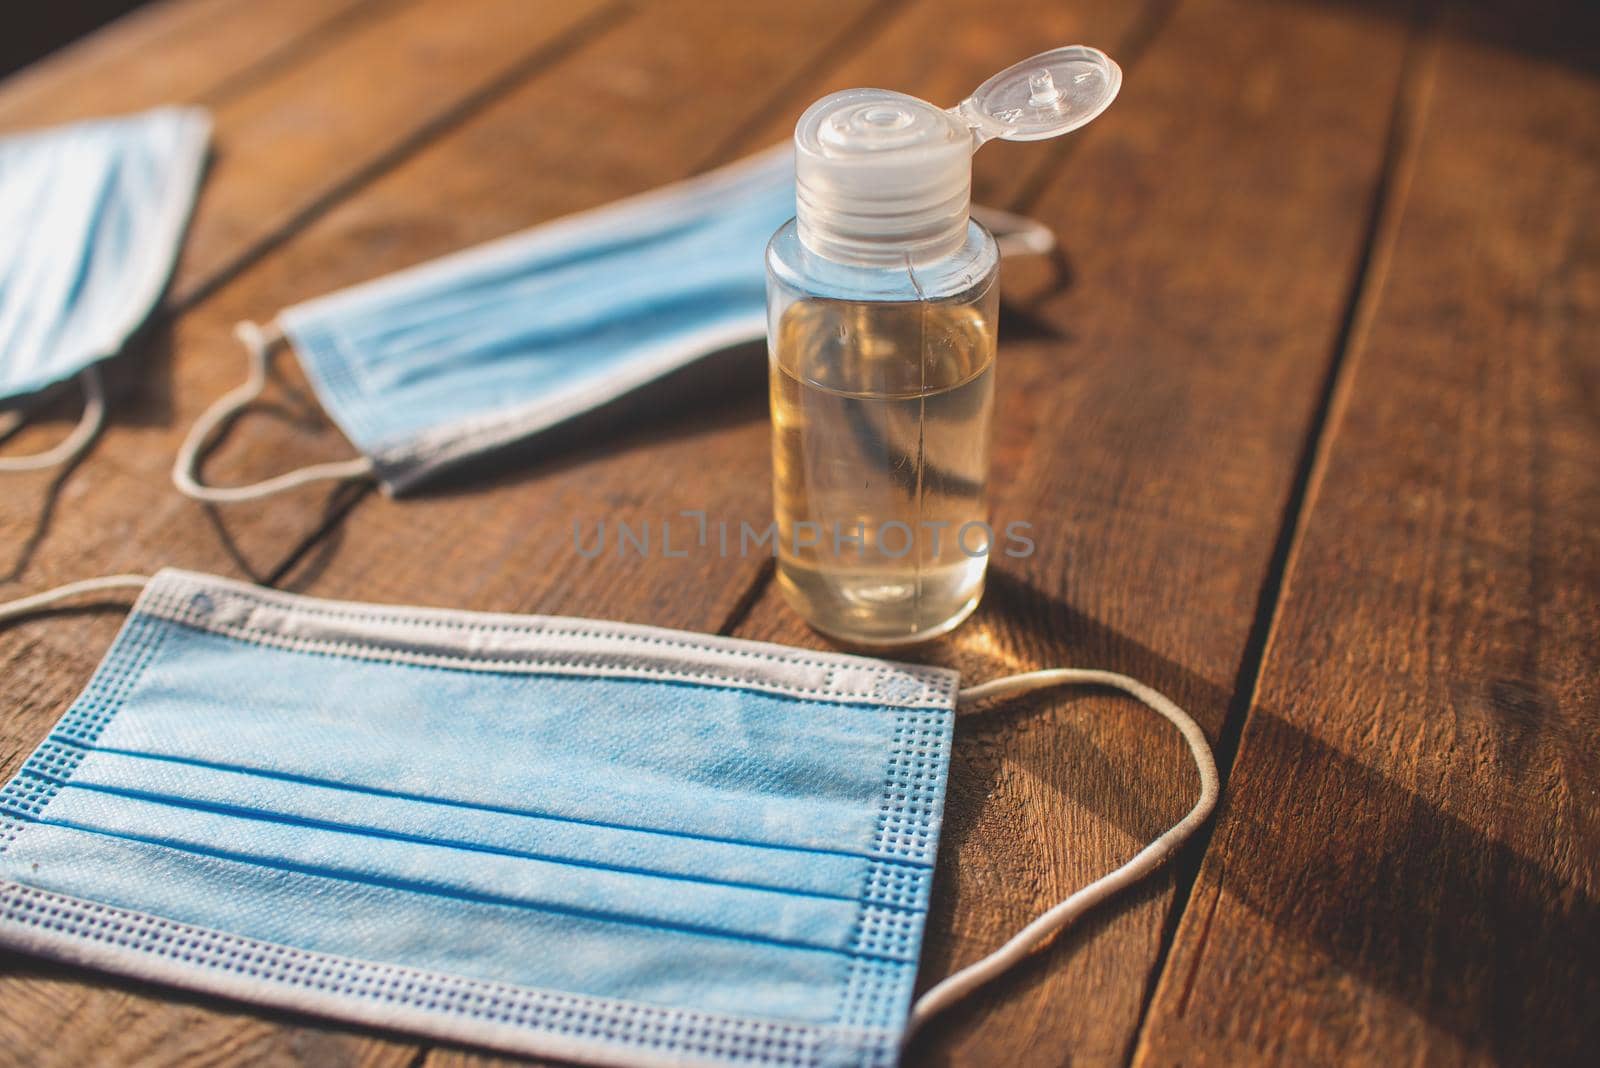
(881, 176)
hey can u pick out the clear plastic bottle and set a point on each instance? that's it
(882, 322)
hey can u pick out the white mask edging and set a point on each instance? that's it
(954, 987)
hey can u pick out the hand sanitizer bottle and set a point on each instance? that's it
(882, 307)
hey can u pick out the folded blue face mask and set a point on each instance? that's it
(91, 215)
(428, 368)
(559, 837)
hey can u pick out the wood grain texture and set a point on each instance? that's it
(119, 512)
(49, 1014)
(1407, 869)
(290, 143)
(457, 571)
(176, 51)
(501, 537)
(308, 121)
(1407, 866)
(318, 131)
(130, 520)
(1148, 428)
(516, 553)
(697, 442)
(509, 168)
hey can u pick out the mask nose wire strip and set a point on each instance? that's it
(257, 343)
(75, 443)
(25, 605)
(955, 987)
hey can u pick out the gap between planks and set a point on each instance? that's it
(276, 60)
(1152, 18)
(286, 54)
(544, 55)
(852, 38)
(1385, 210)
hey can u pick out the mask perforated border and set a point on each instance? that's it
(893, 902)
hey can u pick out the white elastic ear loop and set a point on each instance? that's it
(963, 982)
(74, 444)
(25, 605)
(1015, 235)
(257, 343)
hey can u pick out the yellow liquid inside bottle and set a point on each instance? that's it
(881, 416)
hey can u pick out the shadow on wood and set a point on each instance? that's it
(1119, 786)
(1475, 937)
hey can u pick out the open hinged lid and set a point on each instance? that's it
(881, 175)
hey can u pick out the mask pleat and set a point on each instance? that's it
(705, 845)
(90, 217)
(567, 309)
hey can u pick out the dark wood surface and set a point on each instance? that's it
(1309, 436)
(1408, 864)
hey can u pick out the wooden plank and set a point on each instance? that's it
(1149, 428)
(699, 441)
(310, 126)
(208, 48)
(650, 83)
(1407, 869)
(48, 29)
(123, 523)
(287, 147)
(320, 130)
(60, 1016)
(122, 515)
(205, 47)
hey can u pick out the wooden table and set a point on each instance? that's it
(1309, 436)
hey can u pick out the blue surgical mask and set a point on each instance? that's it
(559, 837)
(429, 368)
(91, 216)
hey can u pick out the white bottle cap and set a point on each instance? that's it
(881, 176)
